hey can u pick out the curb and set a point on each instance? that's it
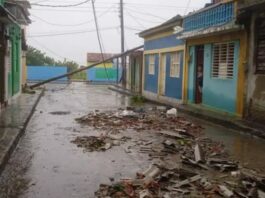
(229, 124)
(12, 146)
(121, 91)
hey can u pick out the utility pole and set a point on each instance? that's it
(123, 59)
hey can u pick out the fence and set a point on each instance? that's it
(40, 73)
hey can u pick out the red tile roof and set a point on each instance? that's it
(97, 57)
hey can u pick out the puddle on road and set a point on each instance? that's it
(60, 169)
(242, 147)
(60, 112)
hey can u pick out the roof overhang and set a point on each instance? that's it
(251, 5)
(245, 10)
(167, 26)
(157, 29)
(19, 12)
(6, 16)
(221, 29)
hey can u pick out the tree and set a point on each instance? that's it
(37, 57)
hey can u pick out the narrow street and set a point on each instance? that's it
(46, 164)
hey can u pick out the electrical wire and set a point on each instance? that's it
(69, 33)
(138, 22)
(60, 6)
(146, 13)
(78, 24)
(187, 7)
(51, 51)
(142, 19)
(99, 38)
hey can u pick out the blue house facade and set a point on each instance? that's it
(215, 58)
(163, 63)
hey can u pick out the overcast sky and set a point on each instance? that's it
(70, 32)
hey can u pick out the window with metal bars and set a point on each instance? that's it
(223, 60)
(260, 46)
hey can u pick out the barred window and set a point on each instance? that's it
(175, 65)
(260, 43)
(223, 60)
(151, 66)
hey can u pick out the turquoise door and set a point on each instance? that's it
(191, 75)
(218, 93)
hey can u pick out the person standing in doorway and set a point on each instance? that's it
(200, 78)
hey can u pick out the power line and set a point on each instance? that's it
(187, 7)
(133, 28)
(52, 52)
(141, 18)
(78, 24)
(60, 6)
(139, 23)
(69, 33)
(123, 59)
(99, 37)
(146, 13)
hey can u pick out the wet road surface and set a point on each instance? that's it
(46, 164)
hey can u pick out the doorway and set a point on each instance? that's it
(199, 67)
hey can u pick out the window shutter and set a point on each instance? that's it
(223, 60)
(260, 55)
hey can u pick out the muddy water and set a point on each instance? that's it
(46, 163)
(250, 151)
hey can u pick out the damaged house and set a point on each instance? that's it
(14, 19)
(252, 16)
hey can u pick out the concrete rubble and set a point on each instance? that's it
(184, 163)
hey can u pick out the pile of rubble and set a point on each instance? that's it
(184, 163)
(139, 120)
(160, 182)
(101, 143)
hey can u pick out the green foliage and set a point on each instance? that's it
(137, 99)
(37, 57)
(79, 76)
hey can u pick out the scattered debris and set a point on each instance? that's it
(102, 143)
(261, 194)
(198, 154)
(27, 90)
(188, 181)
(183, 162)
(172, 112)
(223, 190)
(139, 120)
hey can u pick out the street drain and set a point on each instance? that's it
(60, 112)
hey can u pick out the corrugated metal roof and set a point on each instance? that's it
(170, 24)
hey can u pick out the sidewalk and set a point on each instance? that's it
(13, 122)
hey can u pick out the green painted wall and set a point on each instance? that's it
(2, 2)
(14, 78)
